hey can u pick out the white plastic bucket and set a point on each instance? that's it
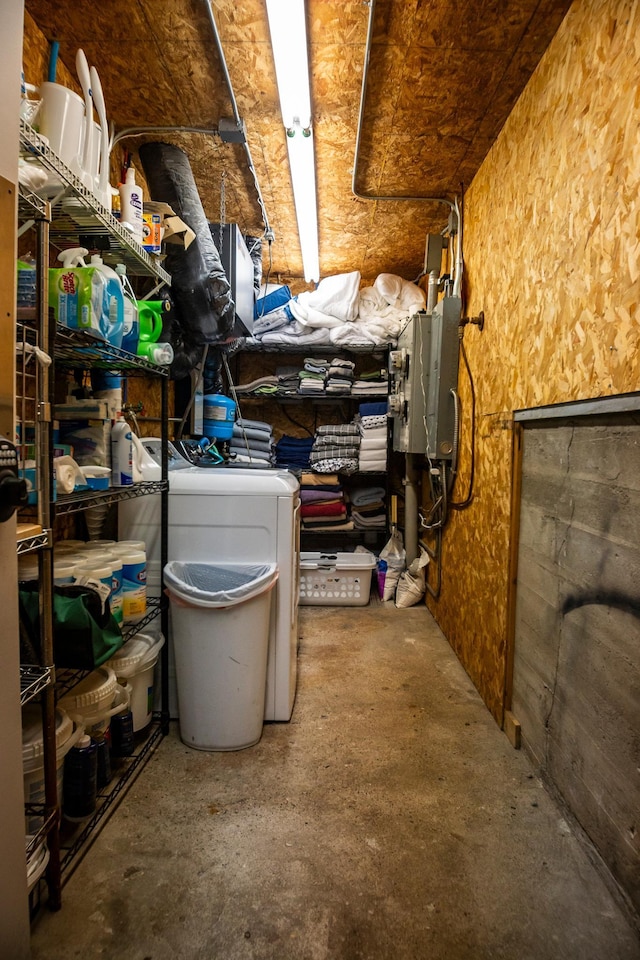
(95, 700)
(68, 732)
(63, 571)
(221, 668)
(61, 121)
(36, 863)
(135, 663)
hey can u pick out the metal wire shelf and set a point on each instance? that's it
(33, 680)
(78, 213)
(34, 542)
(122, 779)
(31, 206)
(74, 348)
(82, 500)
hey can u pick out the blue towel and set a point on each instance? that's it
(373, 409)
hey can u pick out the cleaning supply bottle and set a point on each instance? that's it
(160, 353)
(131, 331)
(113, 310)
(77, 292)
(131, 204)
(80, 780)
(121, 454)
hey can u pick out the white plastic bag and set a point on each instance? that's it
(393, 554)
(411, 585)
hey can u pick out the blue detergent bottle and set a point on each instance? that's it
(131, 329)
(113, 309)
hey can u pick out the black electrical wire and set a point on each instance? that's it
(462, 504)
(295, 422)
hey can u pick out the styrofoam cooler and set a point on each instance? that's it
(220, 626)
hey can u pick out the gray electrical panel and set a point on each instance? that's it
(423, 371)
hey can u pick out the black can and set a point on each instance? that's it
(80, 780)
(122, 742)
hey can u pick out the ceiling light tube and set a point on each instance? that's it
(303, 178)
(288, 31)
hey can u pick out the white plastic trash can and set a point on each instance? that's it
(220, 627)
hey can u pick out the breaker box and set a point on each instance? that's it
(423, 371)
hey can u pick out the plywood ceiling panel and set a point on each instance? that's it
(443, 76)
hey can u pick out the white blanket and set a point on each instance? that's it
(334, 301)
(338, 313)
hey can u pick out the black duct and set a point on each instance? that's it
(200, 289)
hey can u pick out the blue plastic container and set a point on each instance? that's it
(219, 414)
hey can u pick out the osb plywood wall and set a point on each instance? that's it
(552, 248)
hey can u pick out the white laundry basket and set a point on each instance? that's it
(220, 629)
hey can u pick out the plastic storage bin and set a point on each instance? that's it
(96, 699)
(335, 579)
(135, 663)
(220, 627)
(68, 733)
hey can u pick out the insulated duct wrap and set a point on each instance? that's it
(254, 246)
(201, 292)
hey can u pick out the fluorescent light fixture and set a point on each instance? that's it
(289, 44)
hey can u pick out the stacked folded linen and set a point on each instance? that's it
(340, 376)
(311, 383)
(283, 383)
(323, 506)
(252, 442)
(365, 496)
(316, 365)
(288, 379)
(370, 384)
(373, 444)
(262, 385)
(293, 452)
(367, 508)
(335, 447)
(278, 319)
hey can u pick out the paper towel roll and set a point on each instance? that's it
(65, 478)
(68, 474)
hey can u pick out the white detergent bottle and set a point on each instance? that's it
(113, 310)
(131, 330)
(131, 205)
(121, 454)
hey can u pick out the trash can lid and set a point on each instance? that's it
(218, 584)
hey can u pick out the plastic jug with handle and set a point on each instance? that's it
(150, 319)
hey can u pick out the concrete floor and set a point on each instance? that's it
(390, 820)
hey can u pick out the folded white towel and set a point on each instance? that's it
(368, 466)
(374, 433)
(371, 454)
(374, 444)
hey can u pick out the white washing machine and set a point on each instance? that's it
(234, 515)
